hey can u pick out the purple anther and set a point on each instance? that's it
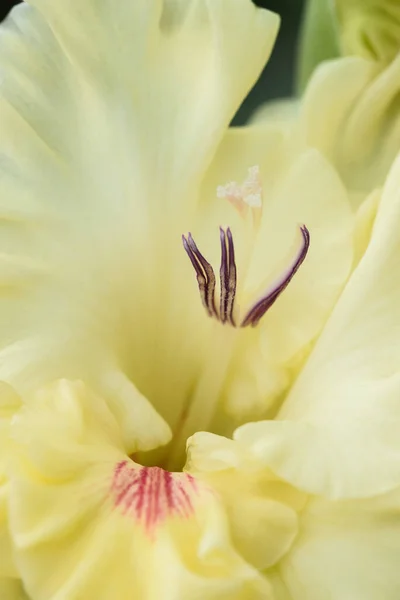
(258, 310)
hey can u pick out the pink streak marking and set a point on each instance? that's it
(150, 495)
(141, 479)
(168, 490)
(184, 499)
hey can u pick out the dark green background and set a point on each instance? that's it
(277, 80)
(278, 77)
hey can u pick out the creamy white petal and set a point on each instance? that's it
(88, 522)
(262, 509)
(10, 403)
(11, 589)
(371, 135)
(365, 218)
(338, 428)
(298, 187)
(369, 28)
(334, 89)
(281, 112)
(110, 116)
(349, 111)
(347, 550)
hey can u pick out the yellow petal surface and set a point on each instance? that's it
(110, 117)
(350, 112)
(338, 429)
(334, 89)
(297, 187)
(88, 522)
(371, 136)
(365, 219)
(9, 405)
(11, 589)
(369, 28)
(262, 509)
(346, 550)
(341, 549)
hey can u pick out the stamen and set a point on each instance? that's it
(204, 274)
(228, 274)
(260, 308)
(228, 279)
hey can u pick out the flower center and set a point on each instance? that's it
(208, 380)
(228, 279)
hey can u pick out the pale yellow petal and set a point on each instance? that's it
(281, 113)
(336, 457)
(10, 403)
(347, 550)
(349, 112)
(341, 419)
(110, 117)
(369, 28)
(298, 187)
(335, 87)
(88, 522)
(7, 565)
(12, 589)
(370, 139)
(310, 194)
(318, 118)
(365, 218)
(261, 509)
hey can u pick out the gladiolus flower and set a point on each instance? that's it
(163, 276)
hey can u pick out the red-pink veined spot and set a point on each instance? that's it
(151, 494)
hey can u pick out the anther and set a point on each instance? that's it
(204, 274)
(228, 275)
(228, 279)
(258, 310)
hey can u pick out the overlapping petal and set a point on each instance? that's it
(369, 28)
(298, 186)
(9, 405)
(10, 584)
(110, 148)
(89, 522)
(346, 549)
(11, 589)
(111, 116)
(262, 509)
(338, 428)
(349, 111)
(338, 549)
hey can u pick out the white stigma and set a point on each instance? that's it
(247, 194)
